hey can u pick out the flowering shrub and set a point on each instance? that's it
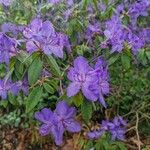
(75, 64)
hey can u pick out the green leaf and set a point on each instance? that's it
(77, 99)
(34, 70)
(53, 66)
(24, 58)
(12, 99)
(148, 54)
(53, 83)
(126, 61)
(48, 88)
(33, 98)
(86, 110)
(121, 146)
(4, 103)
(113, 59)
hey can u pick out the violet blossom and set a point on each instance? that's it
(81, 77)
(8, 86)
(57, 122)
(93, 82)
(139, 8)
(42, 36)
(116, 128)
(6, 2)
(115, 34)
(101, 86)
(92, 30)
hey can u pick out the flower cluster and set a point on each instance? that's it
(42, 36)
(117, 35)
(117, 129)
(137, 9)
(93, 82)
(59, 121)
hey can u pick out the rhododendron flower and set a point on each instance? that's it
(92, 82)
(64, 117)
(57, 122)
(42, 36)
(117, 129)
(115, 34)
(81, 76)
(101, 86)
(7, 48)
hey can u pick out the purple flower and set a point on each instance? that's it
(135, 42)
(23, 85)
(46, 117)
(64, 116)
(6, 2)
(115, 34)
(81, 76)
(59, 121)
(101, 86)
(42, 36)
(92, 30)
(53, 1)
(145, 35)
(11, 28)
(92, 82)
(7, 48)
(116, 128)
(4, 88)
(8, 86)
(100, 132)
(139, 8)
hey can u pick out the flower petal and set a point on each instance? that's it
(73, 89)
(44, 116)
(57, 133)
(45, 129)
(71, 74)
(62, 108)
(101, 100)
(89, 94)
(72, 126)
(81, 65)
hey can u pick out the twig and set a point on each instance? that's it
(137, 132)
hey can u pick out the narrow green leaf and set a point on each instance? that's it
(48, 88)
(34, 70)
(12, 99)
(77, 99)
(33, 98)
(53, 66)
(148, 54)
(121, 146)
(24, 58)
(113, 59)
(126, 61)
(4, 103)
(86, 110)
